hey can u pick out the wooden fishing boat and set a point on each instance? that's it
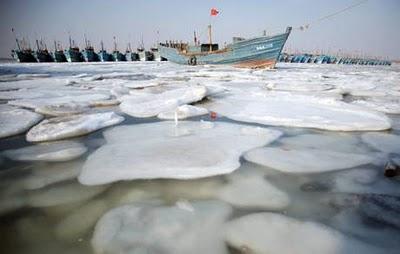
(72, 53)
(58, 54)
(23, 53)
(41, 54)
(258, 52)
(89, 55)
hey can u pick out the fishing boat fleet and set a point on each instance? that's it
(25, 54)
(329, 59)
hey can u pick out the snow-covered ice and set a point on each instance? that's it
(71, 126)
(183, 112)
(189, 150)
(15, 121)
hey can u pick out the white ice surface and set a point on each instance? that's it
(184, 228)
(62, 109)
(269, 233)
(300, 111)
(183, 112)
(71, 126)
(163, 150)
(306, 160)
(53, 151)
(15, 121)
(387, 143)
(148, 105)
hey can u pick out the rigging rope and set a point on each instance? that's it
(304, 27)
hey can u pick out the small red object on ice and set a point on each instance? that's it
(213, 115)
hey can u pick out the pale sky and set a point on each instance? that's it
(370, 29)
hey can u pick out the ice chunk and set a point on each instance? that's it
(387, 143)
(71, 126)
(63, 109)
(15, 121)
(148, 105)
(300, 111)
(192, 228)
(306, 160)
(56, 151)
(253, 191)
(385, 104)
(183, 112)
(298, 87)
(41, 102)
(271, 233)
(163, 150)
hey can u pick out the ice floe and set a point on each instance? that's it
(271, 233)
(163, 150)
(253, 192)
(300, 111)
(184, 228)
(306, 160)
(15, 121)
(387, 143)
(55, 151)
(71, 126)
(183, 112)
(63, 109)
(148, 105)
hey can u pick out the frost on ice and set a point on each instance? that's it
(271, 233)
(163, 150)
(55, 151)
(71, 126)
(300, 111)
(180, 229)
(306, 160)
(148, 105)
(15, 121)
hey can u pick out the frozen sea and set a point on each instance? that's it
(153, 157)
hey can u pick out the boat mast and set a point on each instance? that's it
(102, 46)
(70, 41)
(209, 37)
(86, 41)
(16, 39)
(115, 44)
(55, 46)
(37, 44)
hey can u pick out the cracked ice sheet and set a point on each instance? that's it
(299, 111)
(163, 150)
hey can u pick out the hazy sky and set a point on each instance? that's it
(372, 28)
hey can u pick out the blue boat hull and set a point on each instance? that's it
(260, 52)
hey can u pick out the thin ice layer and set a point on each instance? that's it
(184, 228)
(306, 160)
(55, 151)
(15, 121)
(71, 126)
(163, 150)
(271, 233)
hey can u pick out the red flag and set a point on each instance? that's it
(214, 12)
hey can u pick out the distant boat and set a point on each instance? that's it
(131, 56)
(145, 55)
(23, 53)
(117, 56)
(72, 53)
(156, 55)
(58, 54)
(258, 52)
(103, 55)
(88, 53)
(41, 54)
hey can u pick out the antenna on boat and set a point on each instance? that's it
(16, 39)
(195, 38)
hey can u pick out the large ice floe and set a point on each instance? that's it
(183, 112)
(180, 229)
(271, 233)
(164, 150)
(148, 104)
(387, 143)
(15, 121)
(306, 160)
(55, 151)
(300, 111)
(71, 126)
